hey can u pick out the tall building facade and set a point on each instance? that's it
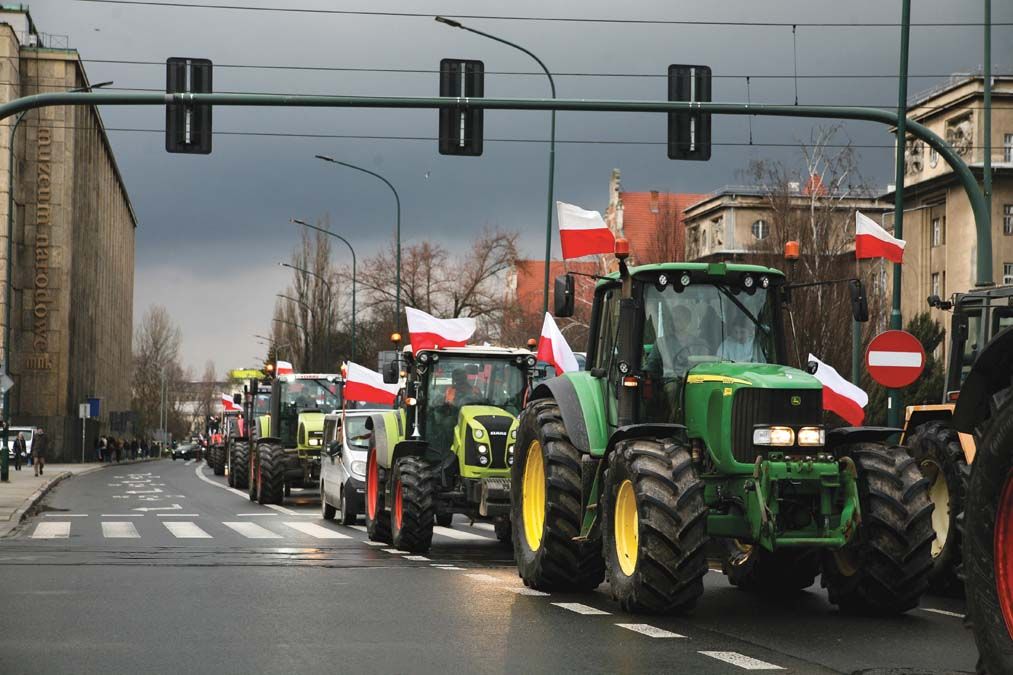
(72, 235)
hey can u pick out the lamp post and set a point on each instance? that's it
(350, 248)
(552, 146)
(397, 234)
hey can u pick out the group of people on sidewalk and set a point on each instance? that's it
(112, 449)
(37, 457)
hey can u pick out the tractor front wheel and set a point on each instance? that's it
(270, 473)
(239, 471)
(377, 519)
(412, 512)
(884, 569)
(546, 509)
(988, 559)
(218, 460)
(754, 568)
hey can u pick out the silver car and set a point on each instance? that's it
(343, 465)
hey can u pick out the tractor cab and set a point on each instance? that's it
(298, 404)
(978, 316)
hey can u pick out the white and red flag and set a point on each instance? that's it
(839, 395)
(228, 405)
(283, 368)
(428, 332)
(582, 232)
(872, 241)
(363, 384)
(553, 348)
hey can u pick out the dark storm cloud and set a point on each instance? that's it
(212, 227)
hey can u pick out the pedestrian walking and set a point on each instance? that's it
(40, 445)
(20, 450)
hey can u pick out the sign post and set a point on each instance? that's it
(5, 386)
(83, 411)
(895, 359)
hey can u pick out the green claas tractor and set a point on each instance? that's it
(290, 438)
(687, 427)
(448, 447)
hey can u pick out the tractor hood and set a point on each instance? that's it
(761, 375)
(482, 416)
(486, 435)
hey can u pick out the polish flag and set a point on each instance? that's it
(553, 348)
(229, 405)
(582, 232)
(428, 332)
(283, 368)
(872, 241)
(839, 395)
(363, 384)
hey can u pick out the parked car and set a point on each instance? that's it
(184, 451)
(12, 433)
(343, 466)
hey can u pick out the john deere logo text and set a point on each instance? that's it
(796, 400)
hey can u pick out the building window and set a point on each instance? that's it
(1007, 274)
(936, 284)
(933, 157)
(1007, 148)
(1007, 219)
(761, 229)
(938, 233)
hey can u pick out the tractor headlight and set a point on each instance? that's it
(359, 470)
(748, 281)
(479, 434)
(424, 357)
(483, 460)
(684, 279)
(513, 433)
(812, 436)
(773, 436)
(316, 441)
(510, 455)
(483, 449)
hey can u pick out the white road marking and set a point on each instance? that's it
(360, 528)
(64, 515)
(52, 530)
(252, 530)
(417, 558)
(482, 577)
(455, 534)
(186, 530)
(282, 509)
(177, 515)
(119, 529)
(485, 526)
(247, 515)
(895, 359)
(393, 551)
(200, 474)
(649, 630)
(122, 515)
(580, 609)
(942, 611)
(524, 590)
(317, 531)
(742, 661)
(374, 543)
(188, 462)
(450, 567)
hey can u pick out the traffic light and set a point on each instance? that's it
(188, 127)
(461, 129)
(689, 133)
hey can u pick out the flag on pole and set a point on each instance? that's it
(228, 405)
(872, 241)
(553, 348)
(428, 332)
(363, 384)
(840, 396)
(283, 368)
(582, 232)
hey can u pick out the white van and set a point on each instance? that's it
(343, 465)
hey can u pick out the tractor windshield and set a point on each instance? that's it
(310, 394)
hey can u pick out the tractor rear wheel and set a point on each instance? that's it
(270, 473)
(654, 527)
(936, 448)
(218, 460)
(546, 508)
(988, 527)
(239, 472)
(412, 511)
(753, 568)
(377, 519)
(251, 473)
(884, 568)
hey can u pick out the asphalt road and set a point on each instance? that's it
(160, 568)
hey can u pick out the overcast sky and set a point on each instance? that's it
(213, 227)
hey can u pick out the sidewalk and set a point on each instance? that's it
(25, 489)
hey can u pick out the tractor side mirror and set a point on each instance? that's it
(859, 303)
(391, 372)
(237, 399)
(563, 296)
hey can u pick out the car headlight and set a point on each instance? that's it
(359, 469)
(810, 436)
(773, 436)
(479, 433)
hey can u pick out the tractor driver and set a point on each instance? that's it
(669, 360)
(460, 392)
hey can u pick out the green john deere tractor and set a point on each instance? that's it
(687, 426)
(290, 438)
(449, 445)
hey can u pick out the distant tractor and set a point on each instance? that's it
(448, 447)
(685, 427)
(256, 401)
(290, 437)
(930, 435)
(216, 435)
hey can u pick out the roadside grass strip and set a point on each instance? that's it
(742, 661)
(52, 530)
(252, 530)
(649, 630)
(119, 529)
(942, 611)
(317, 531)
(581, 609)
(185, 530)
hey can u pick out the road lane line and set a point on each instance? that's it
(374, 543)
(119, 529)
(392, 551)
(248, 515)
(485, 526)
(177, 515)
(252, 530)
(318, 531)
(186, 530)
(450, 567)
(64, 515)
(417, 558)
(200, 474)
(52, 530)
(282, 509)
(524, 590)
(942, 611)
(742, 661)
(188, 462)
(122, 515)
(360, 528)
(482, 577)
(454, 534)
(581, 609)
(649, 630)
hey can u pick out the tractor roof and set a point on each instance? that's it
(1003, 292)
(478, 350)
(718, 269)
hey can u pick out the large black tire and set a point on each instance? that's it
(412, 513)
(990, 508)
(753, 568)
(444, 519)
(239, 470)
(884, 569)
(217, 457)
(348, 514)
(555, 560)
(504, 531)
(936, 448)
(671, 527)
(251, 473)
(270, 473)
(377, 518)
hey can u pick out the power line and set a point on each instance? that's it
(553, 19)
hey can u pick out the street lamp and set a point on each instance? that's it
(349, 245)
(311, 273)
(397, 233)
(552, 146)
(295, 300)
(4, 475)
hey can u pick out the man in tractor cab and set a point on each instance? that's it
(460, 392)
(739, 344)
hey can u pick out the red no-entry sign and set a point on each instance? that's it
(895, 358)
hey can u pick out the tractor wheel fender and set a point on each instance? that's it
(582, 407)
(917, 418)
(675, 432)
(849, 435)
(992, 373)
(388, 431)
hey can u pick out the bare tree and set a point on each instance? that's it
(206, 394)
(156, 355)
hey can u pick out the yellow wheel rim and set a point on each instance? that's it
(533, 496)
(625, 523)
(939, 495)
